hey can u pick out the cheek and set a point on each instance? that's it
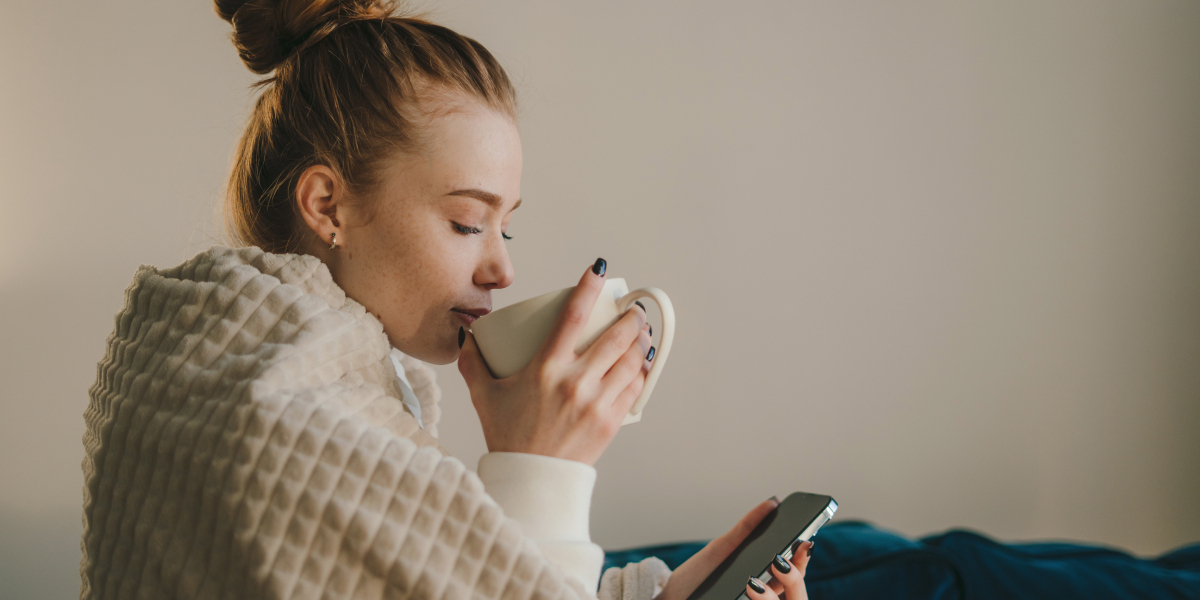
(394, 265)
(439, 267)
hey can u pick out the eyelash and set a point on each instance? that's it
(463, 229)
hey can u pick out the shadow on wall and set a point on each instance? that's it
(40, 555)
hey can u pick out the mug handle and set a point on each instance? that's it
(664, 347)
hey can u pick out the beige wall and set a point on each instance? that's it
(939, 261)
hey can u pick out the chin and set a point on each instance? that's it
(442, 358)
(441, 354)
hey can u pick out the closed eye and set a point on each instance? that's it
(465, 230)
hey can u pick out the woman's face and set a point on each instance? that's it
(425, 252)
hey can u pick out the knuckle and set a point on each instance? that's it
(642, 343)
(635, 390)
(636, 318)
(637, 352)
(634, 361)
(614, 344)
(591, 411)
(573, 389)
(609, 428)
(637, 385)
(573, 316)
(595, 417)
(630, 348)
(606, 422)
(542, 375)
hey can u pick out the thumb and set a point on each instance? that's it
(470, 362)
(720, 548)
(688, 577)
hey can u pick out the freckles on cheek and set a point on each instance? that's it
(418, 271)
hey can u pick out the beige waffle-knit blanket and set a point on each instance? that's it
(246, 439)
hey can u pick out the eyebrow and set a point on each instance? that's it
(486, 197)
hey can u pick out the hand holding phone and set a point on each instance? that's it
(796, 519)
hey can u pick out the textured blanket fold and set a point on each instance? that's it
(246, 439)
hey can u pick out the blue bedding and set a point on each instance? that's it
(853, 559)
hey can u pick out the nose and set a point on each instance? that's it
(495, 270)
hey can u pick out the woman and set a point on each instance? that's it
(264, 423)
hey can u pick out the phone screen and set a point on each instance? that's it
(797, 518)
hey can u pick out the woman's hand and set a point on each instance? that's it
(788, 584)
(696, 569)
(563, 404)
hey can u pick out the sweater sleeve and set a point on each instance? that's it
(239, 445)
(635, 581)
(550, 498)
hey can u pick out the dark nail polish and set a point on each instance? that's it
(639, 303)
(757, 585)
(462, 336)
(650, 354)
(782, 564)
(775, 498)
(810, 546)
(600, 267)
(650, 331)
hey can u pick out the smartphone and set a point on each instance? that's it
(796, 519)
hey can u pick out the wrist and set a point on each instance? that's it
(561, 451)
(551, 497)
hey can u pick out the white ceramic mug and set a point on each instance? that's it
(508, 338)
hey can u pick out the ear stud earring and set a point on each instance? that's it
(333, 241)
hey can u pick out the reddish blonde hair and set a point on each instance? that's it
(345, 80)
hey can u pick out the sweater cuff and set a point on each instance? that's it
(550, 497)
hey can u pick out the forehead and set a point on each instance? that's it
(460, 146)
(470, 143)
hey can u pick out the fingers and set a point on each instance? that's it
(470, 362)
(787, 576)
(694, 570)
(757, 590)
(628, 363)
(801, 557)
(650, 354)
(624, 401)
(576, 312)
(615, 342)
(633, 389)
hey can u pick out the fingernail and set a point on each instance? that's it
(810, 545)
(782, 564)
(651, 330)
(462, 336)
(600, 267)
(774, 499)
(650, 354)
(757, 585)
(639, 303)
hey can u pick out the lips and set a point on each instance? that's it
(470, 314)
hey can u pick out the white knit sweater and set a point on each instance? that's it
(247, 438)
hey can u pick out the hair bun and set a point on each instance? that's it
(265, 32)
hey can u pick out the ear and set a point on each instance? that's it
(319, 196)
